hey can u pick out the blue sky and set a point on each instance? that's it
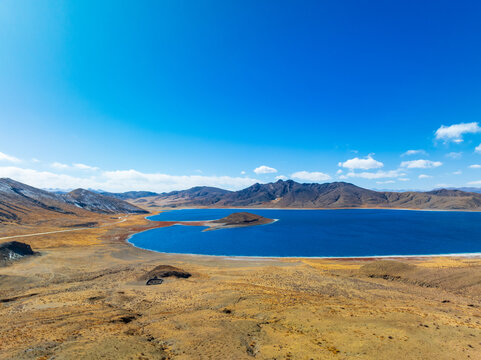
(163, 95)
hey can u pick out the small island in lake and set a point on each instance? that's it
(240, 219)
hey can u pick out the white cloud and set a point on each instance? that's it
(243, 172)
(58, 165)
(8, 158)
(339, 172)
(420, 164)
(414, 152)
(385, 182)
(455, 132)
(264, 170)
(459, 172)
(35, 160)
(85, 167)
(475, 166)
(367, 163)
(281, 177)
(478, 149)
(454, 155)
(404, 179)
(163, 182)
(310, 176)
(474, 182)
(424, 176)
(376, 175)
(123, 180)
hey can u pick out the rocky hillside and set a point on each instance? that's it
(95, 202)
(290, 194)
(198, 196)
(128, 194)
(20, 202)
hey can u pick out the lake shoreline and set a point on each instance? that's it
(163, 209)
(271, 257)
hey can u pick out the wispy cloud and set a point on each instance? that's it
(455, 132)
(310, 176)
(424, 176)
(420, 164)
(60, 166)
(375, 175)
(478, 149)
(366, 163)
(85, 167)
(9, 158)
(263, 169)
(281, 177)
(414, 152)
(475, 166)
(123, 180)
(478, 182)
(454, 155)
(459, 172)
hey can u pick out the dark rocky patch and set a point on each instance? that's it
(163, 271)
(14, 250)
(154, 281)
(125, 319)
(15, 298)
(86, 224)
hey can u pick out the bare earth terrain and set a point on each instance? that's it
(85, 297)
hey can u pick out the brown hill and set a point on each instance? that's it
(243, 219)
(95, 202)
(21, 203)
(290, 194)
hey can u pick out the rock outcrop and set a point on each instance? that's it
(14, 250)
(164, 271)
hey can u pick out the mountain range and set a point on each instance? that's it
(290, 194)
(20, 202)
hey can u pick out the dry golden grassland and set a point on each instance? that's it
(82, 298)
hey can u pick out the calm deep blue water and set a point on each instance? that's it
(321, 233)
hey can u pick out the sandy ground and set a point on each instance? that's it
(82, 299)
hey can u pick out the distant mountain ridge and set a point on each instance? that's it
(128, 194)
(95, 202)
(290, 194)
(20, 201)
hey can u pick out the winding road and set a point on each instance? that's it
(60, 231)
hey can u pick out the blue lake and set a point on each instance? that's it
(320, 233)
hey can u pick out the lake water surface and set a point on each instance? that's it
(320, 233)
